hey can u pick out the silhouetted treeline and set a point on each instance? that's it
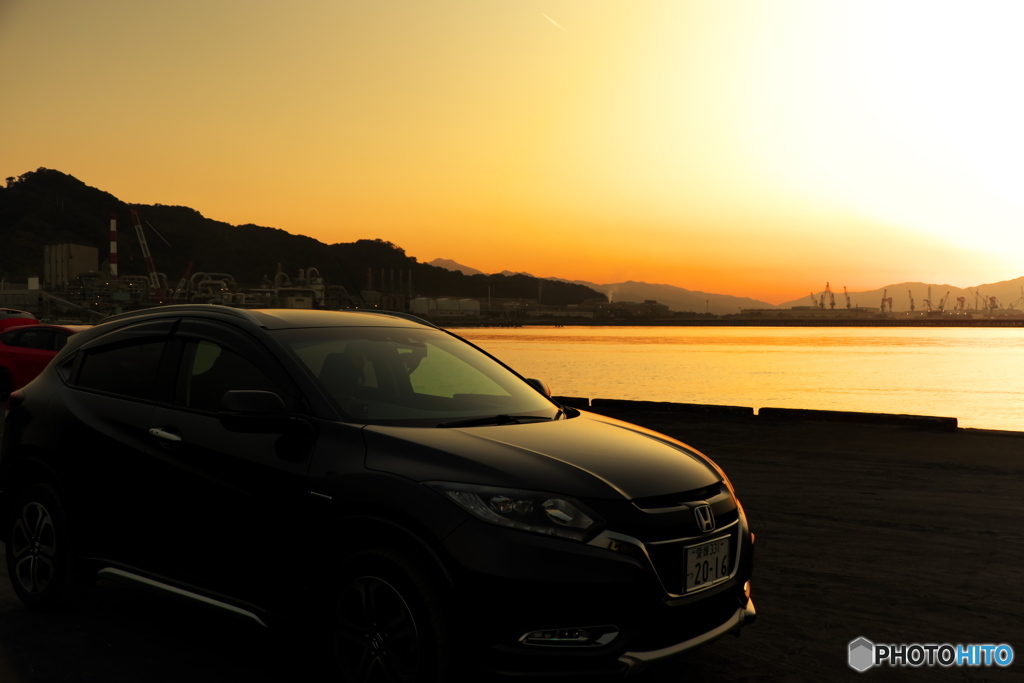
(49, 207)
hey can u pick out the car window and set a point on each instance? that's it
(410, 376)
(440, 373)
(125, 369)
(34, 338)
(209, 370)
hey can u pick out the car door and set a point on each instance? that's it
(100, 428)
(238, 495)
(28, 351)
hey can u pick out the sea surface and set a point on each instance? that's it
(975, 375)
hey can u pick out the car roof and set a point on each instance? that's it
(286, 318)
(73, 329)
(15, 313)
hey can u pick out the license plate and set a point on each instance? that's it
(707, 563)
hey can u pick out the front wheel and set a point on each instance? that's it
(390, 624)
(42, 566)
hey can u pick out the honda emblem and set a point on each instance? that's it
(705, 518)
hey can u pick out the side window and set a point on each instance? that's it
(126, 369)
(210, 370)
(42, 340)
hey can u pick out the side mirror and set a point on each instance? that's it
(259, 412)
(541, 386)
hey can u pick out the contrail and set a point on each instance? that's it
(553, 21)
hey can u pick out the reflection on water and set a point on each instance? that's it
(971, 374)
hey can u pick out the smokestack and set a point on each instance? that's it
(113, 246)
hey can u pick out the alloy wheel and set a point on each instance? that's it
(376, 640)
(34, 546)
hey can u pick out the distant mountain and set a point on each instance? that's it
(1009, 293)
(448, 264)
(676, 298)
(49, 207)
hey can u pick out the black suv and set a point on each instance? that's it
(375, 479)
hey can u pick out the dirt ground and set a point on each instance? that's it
(896, 534)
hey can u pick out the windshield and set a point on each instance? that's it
(410, 376)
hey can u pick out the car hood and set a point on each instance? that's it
(588, 457)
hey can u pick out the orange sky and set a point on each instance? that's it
(746, 147)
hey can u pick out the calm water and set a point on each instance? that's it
(974, 375)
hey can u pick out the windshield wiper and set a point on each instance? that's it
(493, 420)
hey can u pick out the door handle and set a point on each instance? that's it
(165, 435)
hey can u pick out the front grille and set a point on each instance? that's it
(683, 525)
(674, 500)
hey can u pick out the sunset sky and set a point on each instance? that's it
(745, 147)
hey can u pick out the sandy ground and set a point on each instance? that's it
(896, 534)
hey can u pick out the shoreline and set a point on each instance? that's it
(739, 322)
(774, 415)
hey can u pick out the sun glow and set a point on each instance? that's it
(750, 147)
(905, 112)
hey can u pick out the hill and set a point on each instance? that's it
(676, 298)
(448, 264)
(49, 207)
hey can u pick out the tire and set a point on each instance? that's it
(389, 623)
(41, 563)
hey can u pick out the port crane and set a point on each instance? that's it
(847, 297)
(831, 297)
(1017, 301)
(154, 279)
(910, 292)
(961, 303)
(942, 304)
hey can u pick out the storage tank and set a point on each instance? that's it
(471, 306)
(422, 305)
(447, 304)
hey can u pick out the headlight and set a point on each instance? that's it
(541, 513)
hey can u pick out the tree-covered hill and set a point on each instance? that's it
(49, 207)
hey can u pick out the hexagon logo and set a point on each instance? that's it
(862, 654)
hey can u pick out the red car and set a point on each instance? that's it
(26, 349)
(12, 317)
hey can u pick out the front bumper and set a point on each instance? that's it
(636, 661)
(514, 583)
